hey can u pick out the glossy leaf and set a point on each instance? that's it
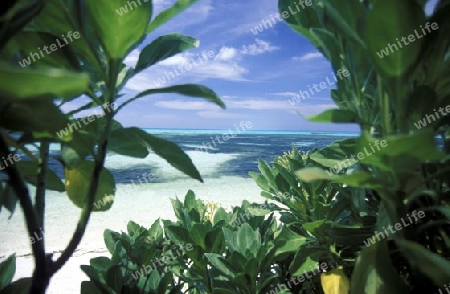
(336, 153)
(334, 116)
(168, 14)
(126, 142)
(30, 169)
(7, 271)
(32, 115)
(171, 152)
(356, 179)
(164, 47)
(300, 21)
(118, 24)
(22, 285)
(406, 18)
(77, 186)
(374, 272)
(19, 83)
(191, 90)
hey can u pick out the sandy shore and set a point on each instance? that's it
(143, 205)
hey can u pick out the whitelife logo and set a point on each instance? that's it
(411, 38)
(53, 47)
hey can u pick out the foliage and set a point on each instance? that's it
(90, 67)
(226, 252)
(386, 96)
(326, 222)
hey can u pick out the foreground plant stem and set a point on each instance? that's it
(39, 280)
(93, 187)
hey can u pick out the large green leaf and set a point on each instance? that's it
(301, 21)
(171, 152)
(355, 179)
(7, 271)
(168, 14)
(118, 24)
(28, 42)
(191, 90)
(164, 47)
(401, 151)
(385, 33)
(78, 182)
(19, 83)
(334, 116)
(30, 169)
(347, 16)
(20, 286)
(126, 142)
(223, 265)
(32, 115)
(336, 153)
(288, 241)
(433, 265)
(374, 272)
(71, 19)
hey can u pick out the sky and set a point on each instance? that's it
(254, 74)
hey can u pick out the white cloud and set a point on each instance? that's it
(226, 54)
(308, 56)
(132, 58)
(259, 47)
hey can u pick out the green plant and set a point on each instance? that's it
(92, 65)
(386, 96)
(325, 221)
(232, 252)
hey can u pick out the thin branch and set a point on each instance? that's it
(21, 190)
(93, 187)
(39, 206)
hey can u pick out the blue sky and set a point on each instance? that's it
(255, 75)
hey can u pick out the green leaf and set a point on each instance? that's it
(168, 14)
(301, 21)
(114, 278)
(399, 150)
(20, 286)
(30, 169)
(334, 116)
(126, 142)
(374, 272)
(27, 43)
(336, 153)
(405, 20)
(355, 179)
(288, 241)
(191, 90)
(110, 242)
(70, 18)
(348, 16)
(78, 182)
(7, 271)
(171, 152)
(164, 47)
(32, 115)
(306, 259)
(223, 265)
(118, 24)
(434, 266)
(19, 83)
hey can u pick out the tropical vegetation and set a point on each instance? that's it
(320, 210)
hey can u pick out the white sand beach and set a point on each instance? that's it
(147, 203)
